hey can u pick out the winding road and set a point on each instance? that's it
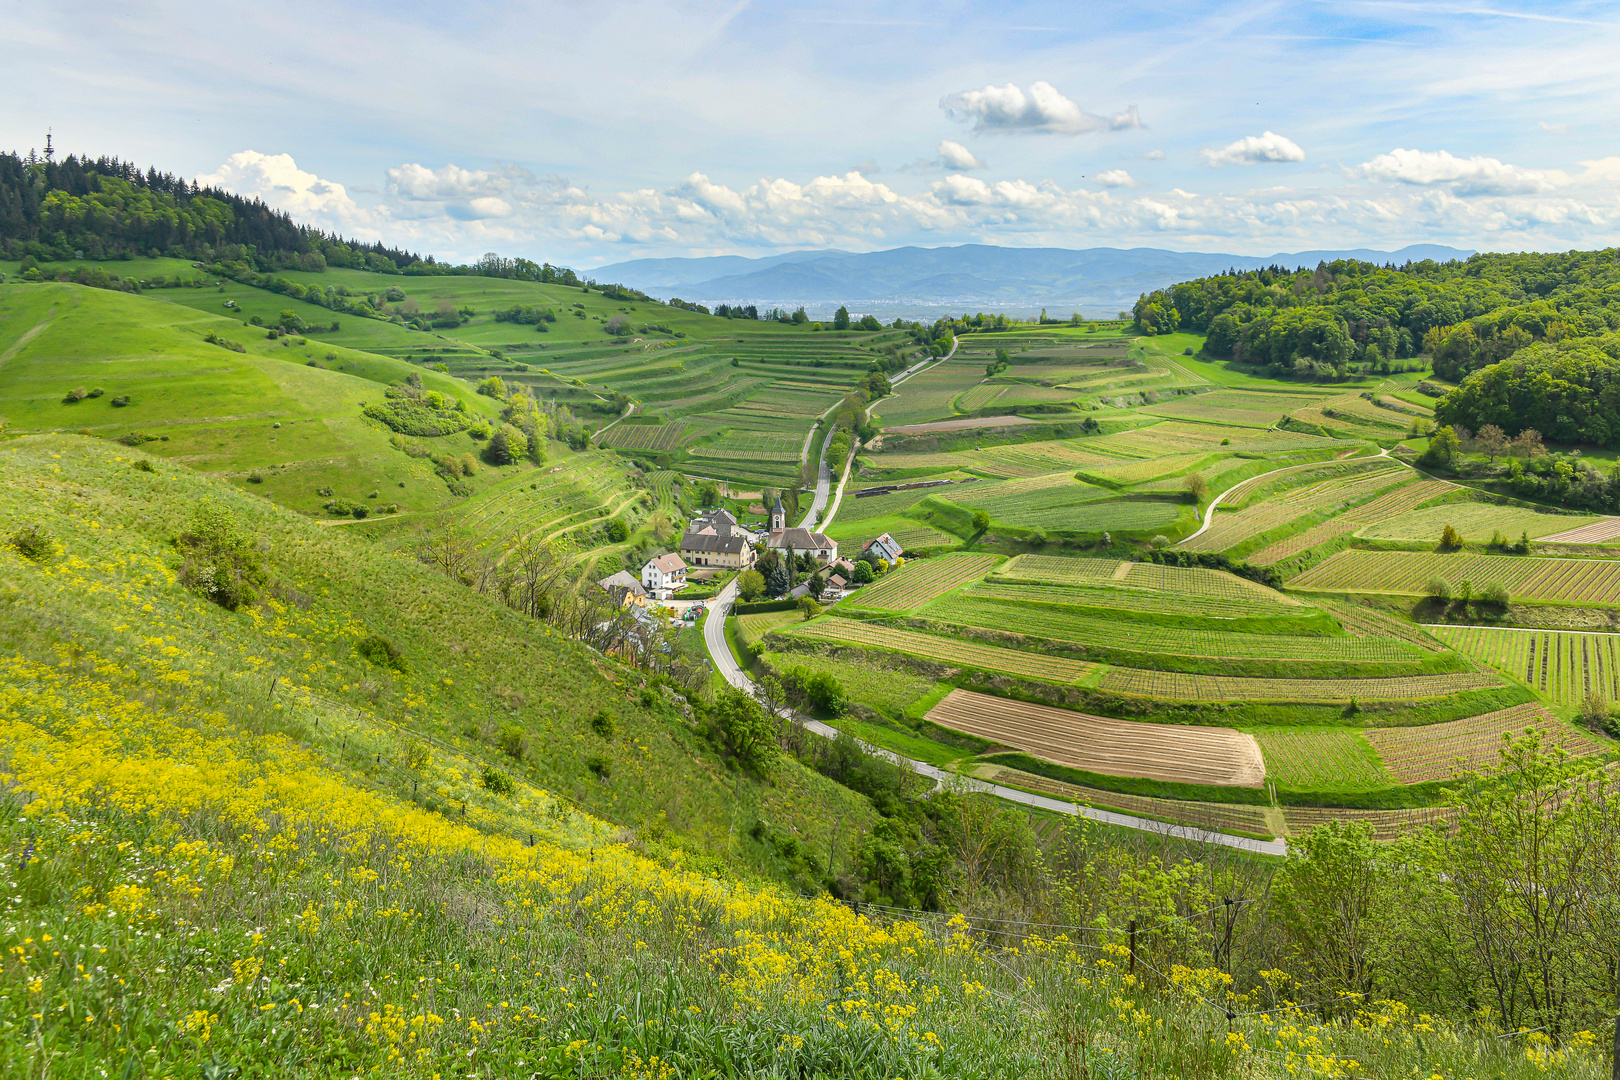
(714, 636)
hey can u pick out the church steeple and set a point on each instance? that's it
(778, 515)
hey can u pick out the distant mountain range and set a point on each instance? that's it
(916, 281)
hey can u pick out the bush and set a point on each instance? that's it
(120, 401)
(221, 561)
(616, 531)
(141, 465)
(1496, 594)
(1450, 539)
(1438, 589)
(380, 651)
(416, 756)
(78, 393)
(602, 723)
(497, 781)
(34, 544)
(513, 741)
(600, 765)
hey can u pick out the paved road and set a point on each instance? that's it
(838, 498)
(714, 636)
(823, 483)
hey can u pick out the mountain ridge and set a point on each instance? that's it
(908, 280)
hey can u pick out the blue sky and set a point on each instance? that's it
(593, 133)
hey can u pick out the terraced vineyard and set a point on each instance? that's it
(1321, 759)
(1056, 570)
(1580, 581)
(549, 501)
(1107, 598)
(1601, 531)
(1385, 824)
(1476, 521)
(942, 649)
(1382, 508)
(1562, 666)
(1176, 686)
(1194, 755)
(920, 581)
(1440, 751)
(654, 437)
(1051, 621)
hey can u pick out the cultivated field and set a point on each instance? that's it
(1176, 686)
(943, 650)
(1577, 581)
(1601, 531)
(1321, 759)
(1222, 817)
(1563, 667)
(1476, 522)
(1194, 755)
(1414, 755)
(921, 580)
(1108, 597)
(1386, 824)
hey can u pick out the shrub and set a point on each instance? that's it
(1450, 539)
(141, 465)
(382, 652)
(600, 765)
(34, 544)
(221, 561)
(602, 723)
(1496, 594)
(513, 741)
(1594, 712)
(120, 401)
(416, 756)
(616, 531)
(1438, 589)
(78, 393)
(497, 781)
(97, 392)
(361, 511)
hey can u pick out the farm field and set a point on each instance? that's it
(1195, 755)
(1260, 410)
(754, 627)
(1561, 666)
(921, 580)
(941, 650)
(1389, 504)
(1601, 531)
(1385, 824)
(1476, 522)
(1321, 759)
(1575, 581)
(1176, 686)
(1223, 817)
(1106, 597)
(1414, 755)
(1052, 621)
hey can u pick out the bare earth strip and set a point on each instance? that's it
(1193, 755)
(1596, 533)
(958, 425)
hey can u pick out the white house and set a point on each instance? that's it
(886, 547)
(804, 542)
(664, 575)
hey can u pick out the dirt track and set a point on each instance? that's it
(1176, 752)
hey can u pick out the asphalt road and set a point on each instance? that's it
(714, 636)
(823, 483)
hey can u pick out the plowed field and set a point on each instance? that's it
(1193, 755)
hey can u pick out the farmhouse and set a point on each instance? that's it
(664, 575)
(886, 548)
(715, 539)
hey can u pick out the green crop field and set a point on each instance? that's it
(1562, 666)
(920, 581)
(1590, 581)
(1321, 759)
(1176, 686)
(941, 650)
(1476, 522)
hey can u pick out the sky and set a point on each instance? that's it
(592, 133)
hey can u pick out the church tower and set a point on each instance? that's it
(778, 516)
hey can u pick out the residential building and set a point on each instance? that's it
(714, 539)
(804, 542)
(664, 575)
(624, 588)
(886, 547)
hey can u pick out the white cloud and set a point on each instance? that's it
(1555, 129)
(1042, 109)
(953, 155)
(449, 182)
(1266, 149)
(1154, 155)
(277, 179)
(1464, 176)
(1115, 178)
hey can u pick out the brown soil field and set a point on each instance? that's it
(1193, 755)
